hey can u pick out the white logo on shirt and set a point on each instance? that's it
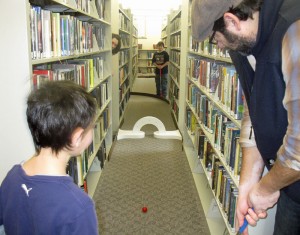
(25, 189)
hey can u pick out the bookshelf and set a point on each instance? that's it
(164, 34)
(134, 53)
(54, 51)
(145, 67)
(122, 64)
(175, 61)
(206, 101)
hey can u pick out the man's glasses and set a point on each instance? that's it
(219, 25)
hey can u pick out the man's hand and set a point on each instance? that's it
(262, 199)
(242, 210)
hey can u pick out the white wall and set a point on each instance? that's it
(149, 41)
(15, 140)
(150, 17)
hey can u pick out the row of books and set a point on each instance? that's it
(224, 139)
(203, 108)
(149, 55)
(205, 71)
(125, 40)
(135, 49)
(123, 73)
(123, 90)
(101, 94)
(174, 90)
(220, 80)
(123, 102)
(174, 105)
(223, 187)
(124, 22)
(207, 48)
(175, 57)
(225, 191)
(123, 57)
(101, 127)
(175, 25)
(100, 7)
(77, 166)
(175, 41)
(134, 33)
(54, 34)
(85, 72)
(174, 72)
(83, 5)
(104, 121)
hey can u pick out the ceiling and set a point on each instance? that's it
(150, 7)
(150, 15)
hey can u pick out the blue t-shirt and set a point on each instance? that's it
(45, 205)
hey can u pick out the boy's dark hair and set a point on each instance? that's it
(160, 44)
(55, 110)
(118, 47)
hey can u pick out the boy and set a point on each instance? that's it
(37, 196)
(161, 60)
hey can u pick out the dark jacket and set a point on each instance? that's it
(264, 89)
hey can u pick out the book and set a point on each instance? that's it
(239, 101)
(201, 141)
(238, 157)
(74, 69)
(235, 134)
(41, 75)
(101, 154)
(214, 76)
(46, 34)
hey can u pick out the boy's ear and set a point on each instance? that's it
(77, 136)
(232, 22)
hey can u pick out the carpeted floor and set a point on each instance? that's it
(152, 173)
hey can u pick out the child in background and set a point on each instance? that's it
(37, 196)
(161, 60)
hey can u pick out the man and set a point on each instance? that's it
(161, 60)
(269, 32)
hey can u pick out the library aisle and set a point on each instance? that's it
(152, 173)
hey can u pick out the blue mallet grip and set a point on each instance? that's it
(243, 227)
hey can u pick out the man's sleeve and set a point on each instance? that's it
(247, 133)
(289, 152)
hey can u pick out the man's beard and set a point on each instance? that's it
(243, 45)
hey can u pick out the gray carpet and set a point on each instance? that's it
(148, 172)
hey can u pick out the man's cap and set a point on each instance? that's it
(205, 13)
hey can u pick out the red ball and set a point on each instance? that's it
(144, 209)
